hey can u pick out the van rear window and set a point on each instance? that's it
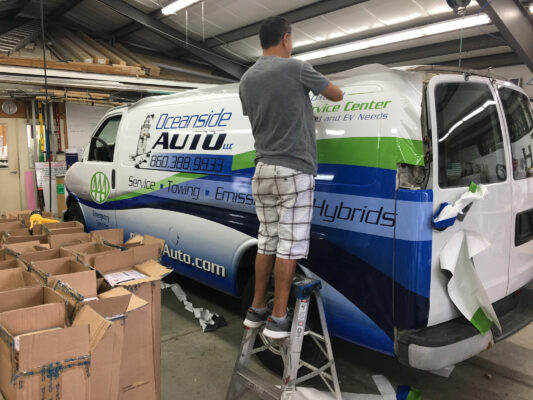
(469, 135)
(519, 119)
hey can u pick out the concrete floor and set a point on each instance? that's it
(197, 365)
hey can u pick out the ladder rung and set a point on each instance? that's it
(317, 335)
(314, 371)
(254, 382)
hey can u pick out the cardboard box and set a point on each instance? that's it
(9, 264)
(63, 228)
(87, 252)
(16, 278)
(41, 357)
(115, 237)
(9, 226)
(24, 215)
(141, 259)
(28, 297)
(124, 312)
(15, 250)
(80, 277)
(42, 255)
(43, 239)
(17, 232)
(59, 240)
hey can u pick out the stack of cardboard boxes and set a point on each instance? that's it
(80, 313)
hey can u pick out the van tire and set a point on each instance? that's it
(74, 213)
(268, 358)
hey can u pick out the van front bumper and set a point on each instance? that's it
(451, 342)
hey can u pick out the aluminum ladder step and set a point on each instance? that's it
(243, 380)
(253, 382)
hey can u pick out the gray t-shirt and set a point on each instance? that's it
(274, 94)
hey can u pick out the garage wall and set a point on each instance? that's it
(82, 119)
(518, 71)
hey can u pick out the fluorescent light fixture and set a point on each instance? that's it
(531, 8)
(331, 51)
(395, 37)
(177, 5)
(455, 24)
(408, 34)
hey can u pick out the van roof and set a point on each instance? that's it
(344, 77)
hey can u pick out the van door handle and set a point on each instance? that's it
(464, 211)
(112, 179)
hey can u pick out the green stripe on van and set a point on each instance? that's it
(180, 177)
(480, 321)
(243, 160)
(384, 152)
(376, 152)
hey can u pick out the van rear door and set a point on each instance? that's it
(519, 123)
(468, 146)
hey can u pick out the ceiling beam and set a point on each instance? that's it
(515, 24)
(494, 60)
(135, 26)
(300, 14)
(63, 9)
(228, 66)
(415, 53)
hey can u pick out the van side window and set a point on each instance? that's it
(469, 135)
(519, 120)
(102, 147)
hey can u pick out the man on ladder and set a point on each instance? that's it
(275, 96)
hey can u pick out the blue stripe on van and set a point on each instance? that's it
(365, 279)
(337, 178)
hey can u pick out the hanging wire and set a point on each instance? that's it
(203, 22)
(461, 39)
(186, 28)
(47, 118)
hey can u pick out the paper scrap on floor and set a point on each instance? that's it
(208, 321)
(115, 278)
(386, 391)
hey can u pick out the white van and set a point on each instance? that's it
(400, 144)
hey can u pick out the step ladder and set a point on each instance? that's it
(244, 380)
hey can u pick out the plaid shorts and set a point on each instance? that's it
(284, 205)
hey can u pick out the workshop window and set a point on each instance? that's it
(103, 142)
(519, 119)
(470, 141)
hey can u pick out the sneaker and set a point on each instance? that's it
(255, 319)
(280, 330)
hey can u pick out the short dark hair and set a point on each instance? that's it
(272, 31)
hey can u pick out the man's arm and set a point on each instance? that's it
(332, 92)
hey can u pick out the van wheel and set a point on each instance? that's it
(74, 213)
(271, 358)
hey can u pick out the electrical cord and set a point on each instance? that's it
(47, 117)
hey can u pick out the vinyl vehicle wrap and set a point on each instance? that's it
(180, 168)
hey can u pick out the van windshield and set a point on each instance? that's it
(469, 135)
(519, 119)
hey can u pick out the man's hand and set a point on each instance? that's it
(332, 92)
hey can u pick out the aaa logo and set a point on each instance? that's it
(100, 187)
